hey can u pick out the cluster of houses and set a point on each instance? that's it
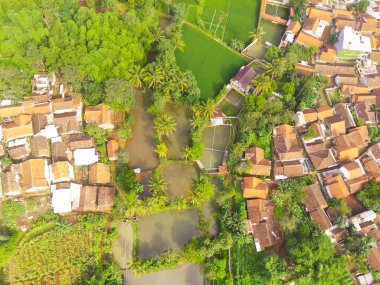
(44, 151)
(330, 142)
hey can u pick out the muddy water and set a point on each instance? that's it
(179, 178)
(141, 147)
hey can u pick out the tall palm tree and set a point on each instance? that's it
(187, 153)
(159, 35)
(208, 108)
(262, 83)
(237, 45)
(177, 40)
(154, 77)
(257, 34)
(276, 68)
(137, 75)
(165, 125)
(182, 82)
(162, 150)
(157, 183)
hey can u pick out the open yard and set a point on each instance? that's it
(215, 140)
(212, 63)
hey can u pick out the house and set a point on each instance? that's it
(314, 199)
(361, 219)
(371, 81)
(65, 197)
(67, 123)
(255, 188)
(99, 173)
(333, 69)
(261, 223)
(320, 218)
(354, 174)
(85, 156)
(323, 158)
(336, 125)
(243, 79)
(314, 27)
(292, 30)
(306, 116)
(20, 127)
(66, 104)
(101, 115)
(322, 14)
(336, 234)
(364, 112)
(106, 197)
(308, 40)
(112, 150)
(368, 23)
(351, 44)
(41, 83)
(371, 167)
(40, 147)
(348, 90)
(39, 122)
(375, 56)
(19, 151)
(259, 165)
(335, 186)
(318, 131)
(324, 112)
(11, 181)
(373, 260)
(80, 141)
(87, 200)
(328, 55)
(58, 151)
(14, 110)
(218, 117)
(35, 175)
(348, 146)
(344, 113)
(289, 169)
(286, 143)
(374, 152)
(61, 171)
(342, 79)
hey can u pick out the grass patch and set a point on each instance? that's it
(213, 64)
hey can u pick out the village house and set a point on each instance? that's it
(85, 156)
(79, 141)
(61, 171)
(99, 173)
(354, 175)
(335, 186)
(101, 115)
(374, 152)
(351, 44)
(40, 147)
(112, 150)
(67, 123)
(19, 149)
(323, 158)
(262, 224)
(242, 81)
(35, 175)
(11, 181)
(258, 164)
(58, 150)
(255, 188)
(42, 82)
(291, 31)
(371, 168)
(93, 198)
(286, 143)
(106, 197)
(20, 127)
(365, 112)
(65, 197)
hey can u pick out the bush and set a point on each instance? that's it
(369, 195)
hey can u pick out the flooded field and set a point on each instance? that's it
(177, 141)
(169, 230)
(179, 178)
(186, 274)
(141, 148)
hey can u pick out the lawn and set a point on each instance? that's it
(212, 63)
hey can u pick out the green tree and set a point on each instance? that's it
(119, 94)
(362, 6)
(157, 184)
(298, 6)
(310, 133)
(216, 269)
(369, 195)
(125, 131)
(161, 149)
(164, 125)
(237, 45)
(136, 75)
(72, 76)
(14, 83)
(10, 211)
(208, 108)
(263, 84)
(257, 34)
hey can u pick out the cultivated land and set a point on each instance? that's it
(212, 63)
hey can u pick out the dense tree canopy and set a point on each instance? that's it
(369, 195)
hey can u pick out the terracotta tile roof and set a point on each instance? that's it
(322, 159)
(112, 150)
(294, 27)
(320, 14)
(371, 167)
(40, 98)
(14, 130)
(58, 152)
(289, 169)
(39, 122)
(15, 110)
(353, 169)
(375, 151)
(328, 56)
(343, 22)
(78, 141)
(88, 198)
(336, 124)
(367, 23)
(324, 112)
(61, 171)
(336, 186)
(373, 81)
(43, 108)
(345, 114)
(267, 234)
(315, 146)
(11, 180)
(374, 259)
(99, 173)
(353, 89)
(106, 197)
(67, 123)
(345, 14)
(33, 175)
(310, 24)
(18, 152)
(319, 216)
(357, 183)
(375, 55)
(305, 69)
(101, 114)
(259, 210)
(255, 188)
(260, 165)
(40, 147)
(308, 40)
(346, 79)
(314, 198)
(310, 114)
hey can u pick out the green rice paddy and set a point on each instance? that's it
(212, 63)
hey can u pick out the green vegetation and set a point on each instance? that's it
(362, 6)
(298, 6)
(100, 137)
(310, 133)
(10, 210)
(369, 195)
(212, 63)
(374, 134)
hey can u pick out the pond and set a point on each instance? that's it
(169, 230)
(273, 32)
(186, 274)
(179, 139)
(141, 147)
(179, 178)
(256, 50)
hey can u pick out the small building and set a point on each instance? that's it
(58, 150)
(87, 200)
(85, 156)
(101, 115)
(11, 181)
(65, 197)
(255, 188)
(243, 79)
(80, 141)
(19, 151)
(336, 125)
(67, 123)
(335, 186)
(259, 165)
(351, 44)
(20, 127)
(112, 150)
(106, 197)
(35, 175)
(314, 199)
(40, 147)
(99, 173)
(61, 171)
(320, 218)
